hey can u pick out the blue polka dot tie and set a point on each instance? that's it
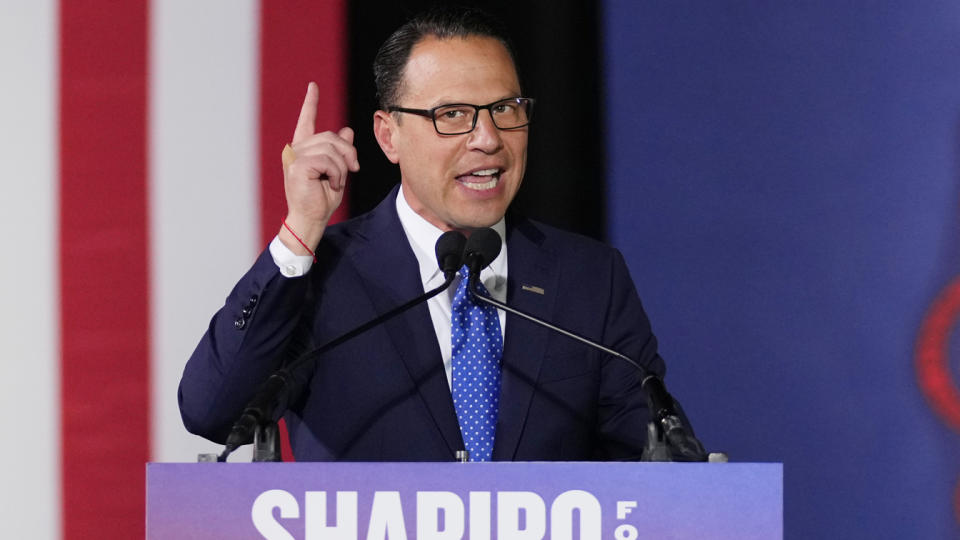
(477, 346)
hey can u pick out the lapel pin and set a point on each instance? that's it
(532, 288)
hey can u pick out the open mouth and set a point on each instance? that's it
(480, 180)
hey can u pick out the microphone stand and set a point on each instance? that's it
(257, 418)
(667, 437)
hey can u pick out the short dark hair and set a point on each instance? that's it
(443, 23)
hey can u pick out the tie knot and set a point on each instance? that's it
(462, 293)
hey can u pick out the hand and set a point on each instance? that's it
(314, 181)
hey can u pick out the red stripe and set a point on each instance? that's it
(103, 268)
(299, 42)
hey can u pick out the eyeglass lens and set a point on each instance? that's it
(507, 114)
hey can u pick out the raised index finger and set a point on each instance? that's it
(307, 123)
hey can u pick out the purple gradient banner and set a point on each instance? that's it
(624, 501)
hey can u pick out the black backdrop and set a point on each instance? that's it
(558, 53)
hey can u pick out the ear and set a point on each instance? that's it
(384, 129)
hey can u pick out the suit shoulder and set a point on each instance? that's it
(338, 236)
(562, 242)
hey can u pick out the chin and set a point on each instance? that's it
(471, 224)
(481, 220)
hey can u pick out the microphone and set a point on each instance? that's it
(449, 251)
(667, 439)
(481, 249)
(261, 409)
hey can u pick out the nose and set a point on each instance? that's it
(485, 136)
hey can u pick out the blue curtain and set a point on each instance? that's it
(783, 181)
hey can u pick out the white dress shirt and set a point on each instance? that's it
(423, 237)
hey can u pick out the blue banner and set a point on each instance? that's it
(783, 181)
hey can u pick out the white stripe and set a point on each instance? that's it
(29, 320)
(204, 206)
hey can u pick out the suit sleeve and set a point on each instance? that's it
(622, 404)
(249, 338)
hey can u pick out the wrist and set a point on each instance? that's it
(300, 237)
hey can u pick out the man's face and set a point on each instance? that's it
(457, 181)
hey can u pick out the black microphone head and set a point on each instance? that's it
(482, 248)
(449, 250)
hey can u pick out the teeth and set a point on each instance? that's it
(494, 175)
(480, 186)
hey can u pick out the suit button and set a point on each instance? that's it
(247, 311)
(240, 324)
(253, 300)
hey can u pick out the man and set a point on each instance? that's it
(454, 119)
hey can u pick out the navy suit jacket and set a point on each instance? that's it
(384, 395)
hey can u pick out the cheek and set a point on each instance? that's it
(519, 152)
(520, 144)
(438, 162)
(431, 155)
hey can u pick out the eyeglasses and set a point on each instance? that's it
(460, 118)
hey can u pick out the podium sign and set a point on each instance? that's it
(479, 501)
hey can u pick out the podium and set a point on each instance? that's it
(479, 501)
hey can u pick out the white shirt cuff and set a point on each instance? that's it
(289, 263)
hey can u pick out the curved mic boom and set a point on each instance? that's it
(668, 430)
(261, 408)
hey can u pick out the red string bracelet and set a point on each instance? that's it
(310, 251)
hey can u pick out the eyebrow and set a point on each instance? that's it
(441, 103)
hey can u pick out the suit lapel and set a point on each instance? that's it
(388, 269)
(531, 287)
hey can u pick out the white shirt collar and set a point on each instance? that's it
(423, 237)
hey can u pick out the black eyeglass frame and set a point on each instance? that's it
(431, 113)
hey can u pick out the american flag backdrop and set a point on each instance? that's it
(139, 157)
